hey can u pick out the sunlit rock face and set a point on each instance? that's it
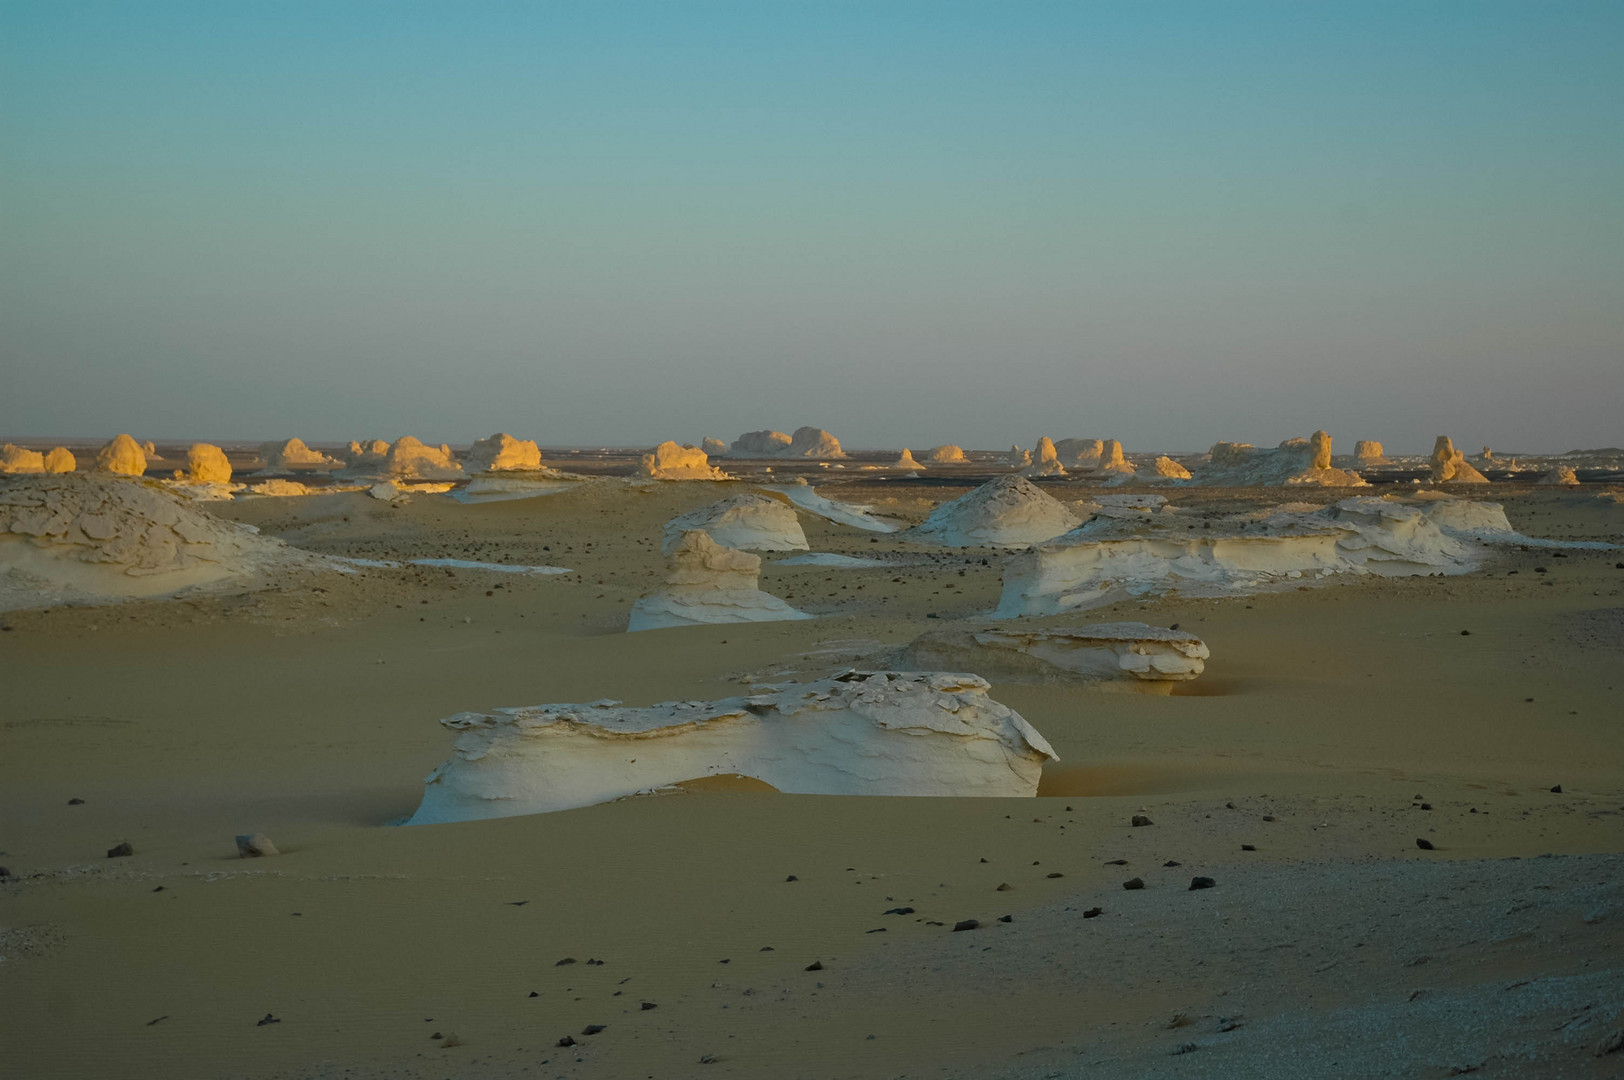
(906, 461)
(1045, 461)
(17, 460)
(1293, 462)
(862, 733)
(122, 456)
(1136, 654)
(60, 460)
(292, 455)
(707, 583)
(502, 452)
(207, 464)
(1006, 512)
(1449, 466)
(1369, 452)
(947, 454)
(745, 522)
(410, 459)
(673, 461)
(1080, 453)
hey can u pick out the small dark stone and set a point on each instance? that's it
(594, 963)
(1005, 887)
(1426, 806)
(568, 1040)
(876, 930)
(983, 860)
(1201, 883)
(534, 994)
(966, 924)
(269, 1019)
(1186, 1048)
(899, 911)
(565, 961)
(76, 801)
(1093, 913)
(1611, 1043)
(1465, 633)
(1117, 862)
(792, 877)
(1248, 847)
(1134, 883)
(1140, 820)
(1557, 790)
(647, 1005)
(1055, 875)
(1229, 806)
(816, 965)
(120, 851)
(5, 873)
(1423, 843)
(1006, 918)
(708, 1059)
(436, 1035)
(1172, 862)
(158, 889)
(1270, 817)
(766, 948)
(593, 1029)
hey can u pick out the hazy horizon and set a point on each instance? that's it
(910, 224)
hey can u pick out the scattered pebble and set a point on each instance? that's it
(966, 924)
(1201, 883)
(255, 846)
(593, 1029)
(1557, 790)
(1423, 843)
(120, 851)
(1055, 875)
(1005, 887)
(1093, 913)
(1006, 918)
(269, 1019)
(566, 960)
(816, 965)
(1140, 820)
(1134, 883)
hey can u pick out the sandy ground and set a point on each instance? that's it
(1334, 727)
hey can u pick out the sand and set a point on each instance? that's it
(309, 714)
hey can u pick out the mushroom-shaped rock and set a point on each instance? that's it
(745, 522)
(410, 459)
(708, 583)
(1137, 655)
(123, 456)
(60, 460)
(502, 452)
(1449, 466)
(17, 460)
(207, 464)
(291, 454)
(906, 461)
(1006, 512)
(760, 444)
(946, 455)
(672, 461)
(861, 733)
(1046, 462)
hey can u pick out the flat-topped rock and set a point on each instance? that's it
(501, 452)
(1006, 512)
(1142, 656)
(673, 461)
(745, 522)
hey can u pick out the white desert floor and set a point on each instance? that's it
(1324, 721)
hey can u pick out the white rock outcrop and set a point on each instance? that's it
(744, 522)
(1562, 475)
(947, 454)
(122, 456)
(16, 460)
(1045, 461)
(862, 733)
(1018, 457)
(1449, 466)
(486, 488)
(410, 459)
(502, 452)
(292, 455)
(60, 460)
(1369, 452)
(1080, 453)
(1112, 461)
(811, 442)
(278, 488)
(207, 464)
(85, 538)
(713, 447)
(707, 583)
(856, 515)
(1006, 512)
(1147, 657)
(760, 444)
(906, 461)
(369, 454)
(672, 461)
(1293, 462)
(1163, 468)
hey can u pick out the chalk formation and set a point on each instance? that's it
(708, 583)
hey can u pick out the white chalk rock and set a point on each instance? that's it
(1080, 453)
(707, 583)
(1449, 466)
(207, 464)
(1046, 462)
(278, 488)
(502, 452)
(85, 538)
(149, 449)
(744, 522)
(410, 459)
(483, 489)
(863, 733)
(841, 513)
(291, 455)
(60, 460)
(946, 455)
(366, 455)
(17, 461)
(811, 442)
(1561, 474)
(906, 461)
(1369, 452)
(1163, 468)
(1293, 462)
(1018, 457)
(122, 456)
(671, 461)
(1112, 461)
(1006, 512)
(713, 447)
(760, 444)
(1147, 657)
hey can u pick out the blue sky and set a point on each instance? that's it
(907, 223)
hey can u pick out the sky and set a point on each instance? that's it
(908, 223)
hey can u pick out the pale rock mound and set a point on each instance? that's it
(946, 455)
(483, 489)
(906, 461)
(410, 459)
(278, 488)
(708, 583)
(746, 522)
(1487, 454)
(1019, 458)
(1145, 657)
(149, 449)
(1163, 468)
(1006, 512)
(15, 460)
(1369, 452)
(811, 442)
(1293, 462)
(1112, 461)
(207, 464)
(1561, 474)
(760, 444)
(713, 447)
(862, 733)
(122, 456)
(1449, 466)
(291, 454)
(369, 454)
(502, 452)
(842, 513)
(60, 460)
(85, 538)
(1047, 462)
(671, 461)
(1080, 453)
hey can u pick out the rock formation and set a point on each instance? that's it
(207, 464)
(713, 447)
(708, 583)
(1449, 465)
(1047, 462)
(745, 522)
(811, 442)
(760, 444)
(149, 449)
(1018, 457)
(946, 455)
(1293, 462)
(862, 733)
(1163, 468)
(503, 452)
(60, 460)
(1080, 453)
(1369, 452)
(278, 488)
(1148, 657)
(1006, 512)
(15, 460)
(669, 461)
(89, 538)
(410, 459)
(123, 456)
(487, 488)
(1561, 474)
(842, 513)
(362, 455)
(1111, 459)
(292, 454)
(906, 461)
